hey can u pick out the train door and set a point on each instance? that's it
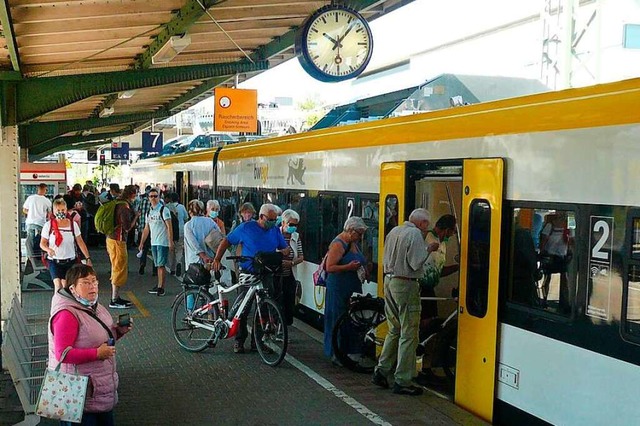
(479, 273)
(392, 188)
(182, 186)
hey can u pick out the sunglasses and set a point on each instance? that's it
(153, 196)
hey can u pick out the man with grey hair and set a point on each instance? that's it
(257, 236)
(405, 254)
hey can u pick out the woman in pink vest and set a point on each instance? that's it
(80, 322)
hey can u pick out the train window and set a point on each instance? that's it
(369, 213)
(309, 227)
(479, 258)
(632, 319)
(542, 273)
(635, 244)
(390, 213)
(333, 211)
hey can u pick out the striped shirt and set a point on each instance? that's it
(144, 208)
(296, 252)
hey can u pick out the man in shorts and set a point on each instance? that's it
(37, 208)
(158, 228)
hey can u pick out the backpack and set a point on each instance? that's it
(175, 223)
(105, 219)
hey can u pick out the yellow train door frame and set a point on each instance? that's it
(392, 184)
(483, 183)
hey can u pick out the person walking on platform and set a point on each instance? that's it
(176, 255)
(60, 236)
(144, 206)
(159, 229)
(405, 254)
(117, 247)
(255, 236)
(37, 208)
(290, 221)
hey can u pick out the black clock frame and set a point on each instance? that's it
(302, 50)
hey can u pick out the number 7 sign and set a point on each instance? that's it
(152, 141)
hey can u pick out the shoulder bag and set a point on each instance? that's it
(62, 395)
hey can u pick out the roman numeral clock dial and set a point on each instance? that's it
(334, 44)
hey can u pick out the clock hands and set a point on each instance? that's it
(335, 42)
(340, 39)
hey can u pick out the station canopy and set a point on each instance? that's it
(75, 73)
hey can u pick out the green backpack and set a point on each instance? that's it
(105, 219)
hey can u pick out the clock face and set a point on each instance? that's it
(335, 44)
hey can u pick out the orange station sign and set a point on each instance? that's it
(236, 110)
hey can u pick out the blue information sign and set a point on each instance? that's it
(152, 141)
(121, 152)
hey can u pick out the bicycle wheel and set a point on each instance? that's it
(356, 336)
(270, 332)
(184, 321)
(448, 350)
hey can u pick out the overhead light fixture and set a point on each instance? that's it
(171, 49)
(105, 112)
(126, 94)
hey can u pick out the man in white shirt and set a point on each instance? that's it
(37, 208)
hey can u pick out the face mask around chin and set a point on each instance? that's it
(86, 302)
(60, 215)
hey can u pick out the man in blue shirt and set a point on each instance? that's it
(255, 236)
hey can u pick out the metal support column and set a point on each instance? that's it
(9, 210)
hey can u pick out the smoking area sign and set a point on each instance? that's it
(236, 110)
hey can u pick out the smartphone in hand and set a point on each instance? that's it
(124, 320)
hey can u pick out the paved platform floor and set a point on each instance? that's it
(162, 384)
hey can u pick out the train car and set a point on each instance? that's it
(545, 191)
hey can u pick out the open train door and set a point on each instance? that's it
(392, 193)
(482, 184)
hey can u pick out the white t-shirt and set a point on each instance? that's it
(557, 240)
(38, 206)
(66, 250)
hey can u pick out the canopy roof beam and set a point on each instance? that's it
(39, 96)
(9, 34)
(186, 16)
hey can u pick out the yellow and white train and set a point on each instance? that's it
(569, 159)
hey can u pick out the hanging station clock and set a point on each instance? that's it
(334, 44)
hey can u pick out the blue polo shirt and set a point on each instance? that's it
(255, 239)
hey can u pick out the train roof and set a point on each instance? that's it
(593, 106)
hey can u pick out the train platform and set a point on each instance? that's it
(162, 384)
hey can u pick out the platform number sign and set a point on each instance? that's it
(120, 151)
(152, 141)
(351, 205)
(600, 261)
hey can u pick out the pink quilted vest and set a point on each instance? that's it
(102, 393)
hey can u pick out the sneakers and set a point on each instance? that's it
(157, 291)
(238, 348)
(379, 380)
(120, 303)
(178, 269)
(407, 390)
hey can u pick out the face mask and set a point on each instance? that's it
(279, 221)
(268, 224)
(291, 229)
(213, 214)
(86, 302)
(61, 215)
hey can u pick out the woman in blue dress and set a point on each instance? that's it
(344, 258)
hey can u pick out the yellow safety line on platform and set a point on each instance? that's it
(144, 311)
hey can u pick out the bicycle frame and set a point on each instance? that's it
(233, 325)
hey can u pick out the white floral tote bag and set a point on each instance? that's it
(62, 394)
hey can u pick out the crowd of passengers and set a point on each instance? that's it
(148, 219)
